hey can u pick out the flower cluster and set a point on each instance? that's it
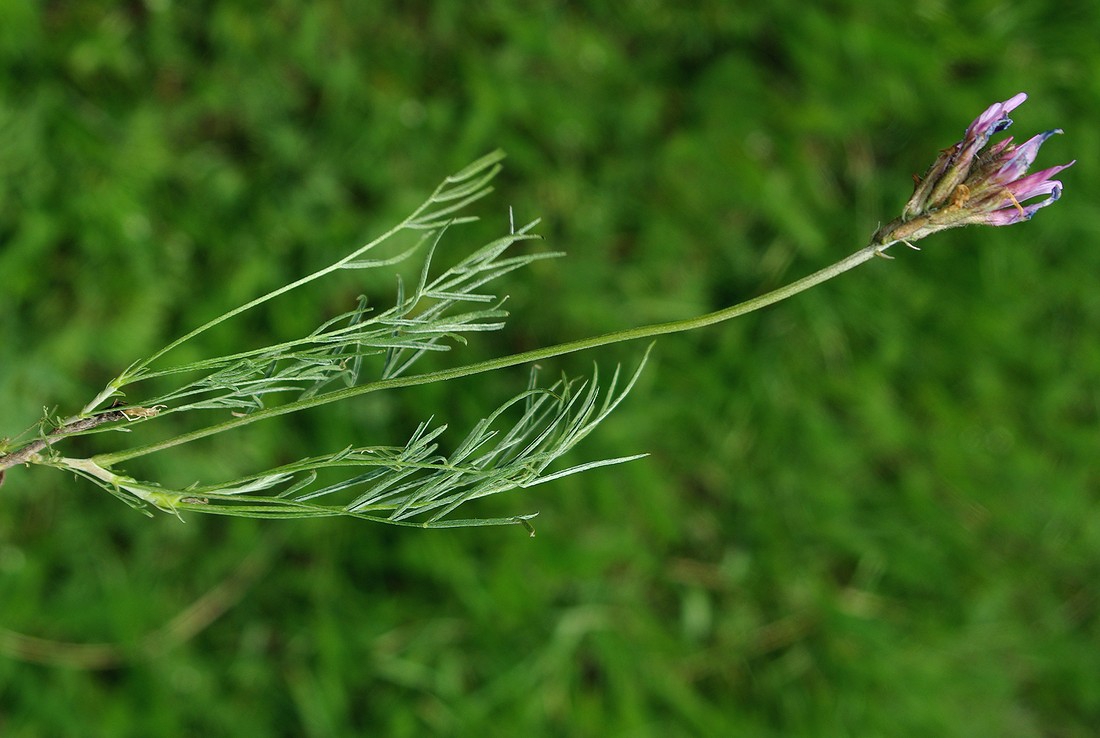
(970, 183)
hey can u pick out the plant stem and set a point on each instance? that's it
(26, 453)
(630, 334)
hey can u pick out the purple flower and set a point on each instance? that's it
(970, 183)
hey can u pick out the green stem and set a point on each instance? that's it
(630, 334)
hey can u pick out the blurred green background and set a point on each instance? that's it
(871, 510)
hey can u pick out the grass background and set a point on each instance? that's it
(871, 510)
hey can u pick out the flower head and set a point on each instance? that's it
(972, 182)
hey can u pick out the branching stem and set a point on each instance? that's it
(630, 334)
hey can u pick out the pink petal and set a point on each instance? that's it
(1037, 183)
(1023, 157)
(994, 117)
